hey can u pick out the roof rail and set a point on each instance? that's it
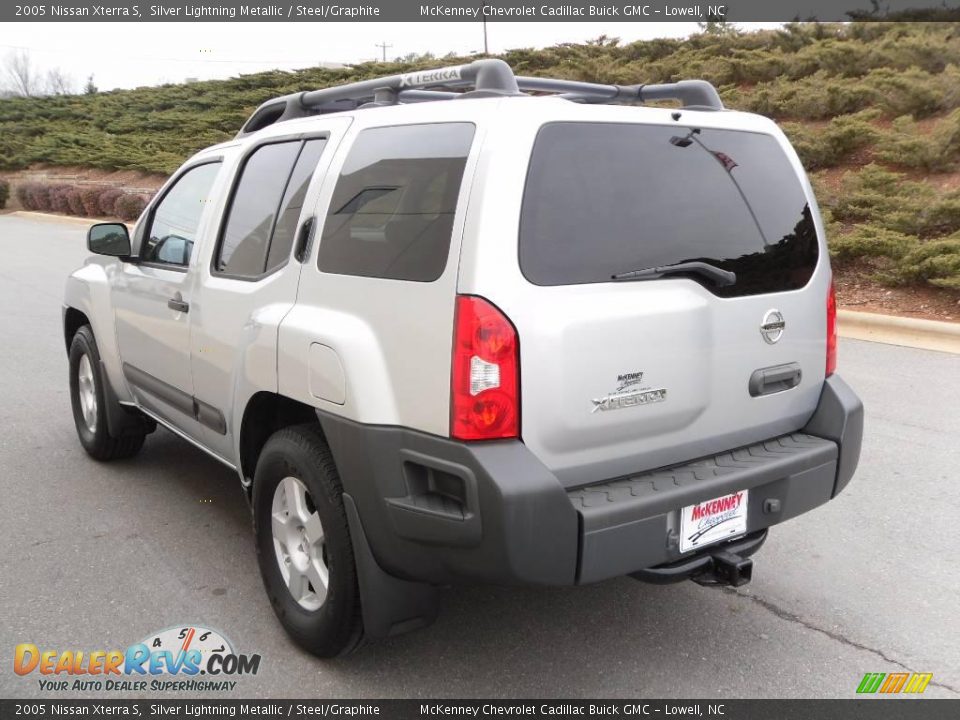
(480, 78)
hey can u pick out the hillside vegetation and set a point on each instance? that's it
(872, 108)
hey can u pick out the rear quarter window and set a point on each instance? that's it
(603, 199)
(391, 215)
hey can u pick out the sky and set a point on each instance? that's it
(123, 55)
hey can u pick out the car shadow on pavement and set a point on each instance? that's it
(488, 641)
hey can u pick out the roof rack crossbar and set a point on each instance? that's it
(481, 78)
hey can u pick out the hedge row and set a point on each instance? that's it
(906, 230)
(82, 200)
(4, 193)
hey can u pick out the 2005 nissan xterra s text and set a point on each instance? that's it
(449, 331)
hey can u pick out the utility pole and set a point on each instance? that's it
(384, 47)
(486, 49)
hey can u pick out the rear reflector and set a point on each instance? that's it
(831, 330)
(484, 397)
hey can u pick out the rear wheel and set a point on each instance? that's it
(89, 400)
(303, 542)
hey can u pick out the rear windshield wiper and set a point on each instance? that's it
(720, 277)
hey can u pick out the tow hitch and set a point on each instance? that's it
(727, 568)
(727, 564)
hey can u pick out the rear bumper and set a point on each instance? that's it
(440, 511)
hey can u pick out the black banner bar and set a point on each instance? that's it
(877, 709)
(472, 10)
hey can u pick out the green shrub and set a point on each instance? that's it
(906, 146)
(936, 262)
(869, 241)
(888, 200)
(4, 193)
(831, 145)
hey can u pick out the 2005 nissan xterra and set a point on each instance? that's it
(462, 326)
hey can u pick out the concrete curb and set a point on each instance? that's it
(895, 330)
(51, 217)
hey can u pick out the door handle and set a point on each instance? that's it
(302, 248)
(778, 378)
(178, 303)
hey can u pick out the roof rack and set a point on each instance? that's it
(480, 78)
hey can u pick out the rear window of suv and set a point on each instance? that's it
(603, 199)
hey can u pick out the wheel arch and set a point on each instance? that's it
(73, 320)
(264, 414)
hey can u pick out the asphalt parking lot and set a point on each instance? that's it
(99, 556)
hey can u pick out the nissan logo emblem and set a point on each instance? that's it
(772, 326)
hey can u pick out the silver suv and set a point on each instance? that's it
(458, 325)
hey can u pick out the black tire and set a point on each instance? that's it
(97, 441)
(335, 627)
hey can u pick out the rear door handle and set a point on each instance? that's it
(178, 303)
(302, 248)
(777, 378)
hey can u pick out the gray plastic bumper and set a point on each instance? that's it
(439, 511)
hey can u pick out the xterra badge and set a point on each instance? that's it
(629, 392)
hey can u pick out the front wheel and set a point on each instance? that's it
(89, 401)
(303, 542)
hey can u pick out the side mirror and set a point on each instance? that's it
(109, 239)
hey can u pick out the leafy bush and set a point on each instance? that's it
(4, 193)
(129, 206)
(39, 195)
(906, 146)
(831, 145)
(936, 262)
(23, 195)
(806, 71)
(90, 201)
(108, 200)
(58, 198)
(74, 203)
(869, 241)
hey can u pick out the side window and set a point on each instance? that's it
(292, 203)
(262, 219)
(173, 230)
(392, 210)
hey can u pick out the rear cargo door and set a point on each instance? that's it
(662, 367)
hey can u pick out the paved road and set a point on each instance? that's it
(98, 556)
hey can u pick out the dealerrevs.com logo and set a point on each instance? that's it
(185, 658)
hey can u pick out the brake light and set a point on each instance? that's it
(831, 330)
(484, 390)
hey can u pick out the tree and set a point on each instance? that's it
(59, 83)
(90, 88)
(21, 76)
(717, 26)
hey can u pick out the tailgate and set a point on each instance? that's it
(621, 376)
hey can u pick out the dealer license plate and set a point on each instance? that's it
(714, 520)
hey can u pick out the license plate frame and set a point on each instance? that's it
(712, 521)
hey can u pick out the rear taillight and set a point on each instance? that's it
(831, 330)
(484, 392)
